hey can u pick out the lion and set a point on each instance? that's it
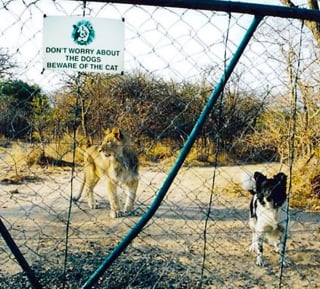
(116, 161)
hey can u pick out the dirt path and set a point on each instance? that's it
(184, 234)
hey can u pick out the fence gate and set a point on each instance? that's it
(212, 92)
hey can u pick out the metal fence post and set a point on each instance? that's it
(19, 257)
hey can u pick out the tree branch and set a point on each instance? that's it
(313, 26)
(287, 3)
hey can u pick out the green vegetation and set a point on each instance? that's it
(156, 113)
(244, 126)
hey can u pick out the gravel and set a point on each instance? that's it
(134, 271)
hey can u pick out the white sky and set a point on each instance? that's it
(193, 41)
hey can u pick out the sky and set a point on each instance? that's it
(178, 43)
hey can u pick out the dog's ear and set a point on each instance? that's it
(259, 178)
(281, 178)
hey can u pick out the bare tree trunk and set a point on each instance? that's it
(313, 26)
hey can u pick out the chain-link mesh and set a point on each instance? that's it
(267, 120)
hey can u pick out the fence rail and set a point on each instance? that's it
(234, 7)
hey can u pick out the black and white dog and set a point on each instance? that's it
(268, 218)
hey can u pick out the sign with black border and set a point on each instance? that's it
(72, 43)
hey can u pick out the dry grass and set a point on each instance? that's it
(18, 158)
(16, 161)
(306, 184)
(160, 151)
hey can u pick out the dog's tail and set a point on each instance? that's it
(248, 182)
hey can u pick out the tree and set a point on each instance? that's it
(41, 118)
(16, 110)
(312, 25)
(307, 118)
(6, 64)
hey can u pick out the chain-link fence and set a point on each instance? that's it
(266, 119)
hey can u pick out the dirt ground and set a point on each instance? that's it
(198, 238)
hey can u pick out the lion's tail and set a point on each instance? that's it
(248, 182)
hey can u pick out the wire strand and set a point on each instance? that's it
(207, 217)
(294, 93)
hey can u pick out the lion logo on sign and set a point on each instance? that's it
(83, 32)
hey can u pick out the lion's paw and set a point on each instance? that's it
(253, 247)
(115, 214)
(260, 261)
(128, 213)
(93, 205)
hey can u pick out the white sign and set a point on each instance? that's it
(83, 44)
